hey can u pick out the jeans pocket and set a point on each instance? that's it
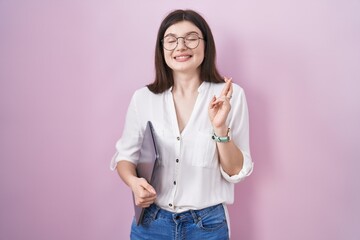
(213, 221)
(148, 218)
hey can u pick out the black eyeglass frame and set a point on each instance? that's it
(184, 39)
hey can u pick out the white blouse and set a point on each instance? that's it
(189, 175)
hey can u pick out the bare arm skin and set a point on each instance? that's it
(231, 158)
(144, 193)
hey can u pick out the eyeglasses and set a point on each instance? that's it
(191, 41)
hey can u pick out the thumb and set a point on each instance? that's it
(149, 188)
(213, 99)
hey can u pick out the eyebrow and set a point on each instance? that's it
(172, 34)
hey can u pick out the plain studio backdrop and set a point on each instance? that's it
(67, 72)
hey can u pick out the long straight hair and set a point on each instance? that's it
(163, 74)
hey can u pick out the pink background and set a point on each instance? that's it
(68, 69)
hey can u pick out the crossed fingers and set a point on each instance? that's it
(226, 93)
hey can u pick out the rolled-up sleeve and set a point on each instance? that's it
(244, 172)
(128, 146)
(239, 125)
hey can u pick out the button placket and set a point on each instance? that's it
(176, 172)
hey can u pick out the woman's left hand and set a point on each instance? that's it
(219, 108)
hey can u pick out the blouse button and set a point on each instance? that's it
(170, 205)
(174, 182)
(177, 160)
(178, 138)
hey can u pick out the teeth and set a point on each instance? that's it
(182, 57)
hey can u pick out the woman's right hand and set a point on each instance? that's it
(144, 193)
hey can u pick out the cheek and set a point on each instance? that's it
(201, 56)
(167, 57)
(201, 52)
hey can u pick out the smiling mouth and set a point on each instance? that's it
(183, 57)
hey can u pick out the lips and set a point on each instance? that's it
(183, 57)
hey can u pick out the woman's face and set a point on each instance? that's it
(183, 59)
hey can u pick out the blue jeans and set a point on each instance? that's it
(158, 224)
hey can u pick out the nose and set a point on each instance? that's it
(181, 43)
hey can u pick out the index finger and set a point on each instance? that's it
(230, 92)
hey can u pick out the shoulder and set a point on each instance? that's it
(144, 99)
(238, 89)
(147, 104)
(145, 93)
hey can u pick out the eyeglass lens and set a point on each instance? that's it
(191, 41)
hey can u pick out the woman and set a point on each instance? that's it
(201, 125)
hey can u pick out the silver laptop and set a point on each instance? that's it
(147, 161)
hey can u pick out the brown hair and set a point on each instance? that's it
(163, 74)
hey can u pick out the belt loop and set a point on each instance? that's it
(195, 217)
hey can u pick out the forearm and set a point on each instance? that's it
(230, 156)
(144, 193)
(127, 172)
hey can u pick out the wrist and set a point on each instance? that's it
(221, 131)
(131, 181)
(222, 138)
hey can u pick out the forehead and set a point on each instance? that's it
(182, 28)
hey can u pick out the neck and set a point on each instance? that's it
(185, 84)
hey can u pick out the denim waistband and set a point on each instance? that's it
(191, 215)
